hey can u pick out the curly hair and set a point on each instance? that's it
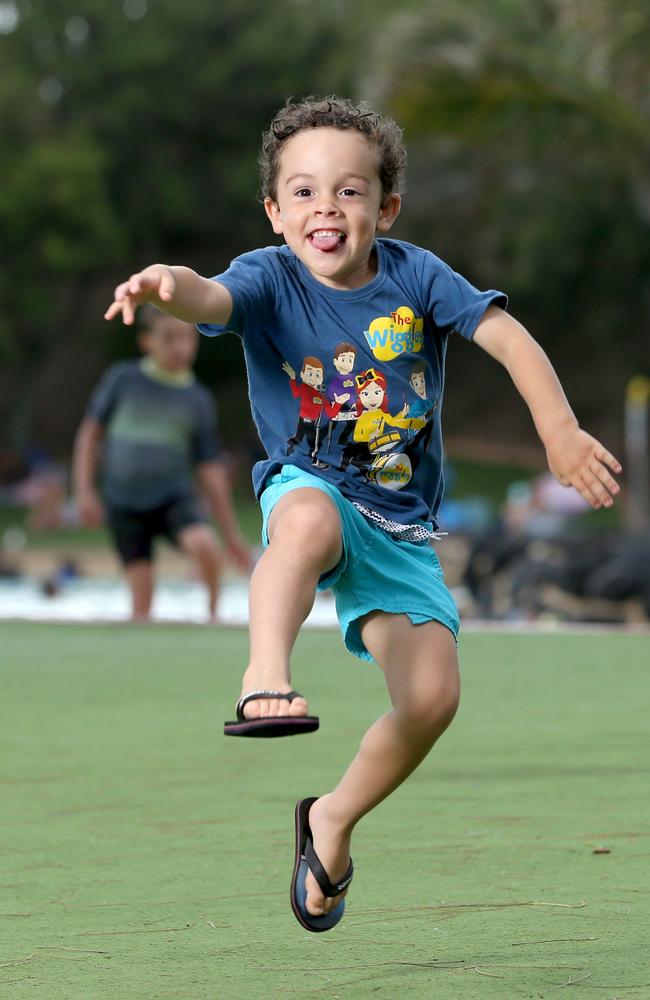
(340, 113)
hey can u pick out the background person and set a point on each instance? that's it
(151, 427)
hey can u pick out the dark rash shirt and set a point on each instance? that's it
(156, 433)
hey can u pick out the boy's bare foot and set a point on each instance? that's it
(332, 845)
(266, 707)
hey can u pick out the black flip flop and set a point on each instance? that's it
(306, 860)
(269, 726)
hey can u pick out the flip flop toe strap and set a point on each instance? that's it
(314, 863)
(256, 695)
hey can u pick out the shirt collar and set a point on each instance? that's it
(158, 374)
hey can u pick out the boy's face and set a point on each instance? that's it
(171, 343)
(312, 376)
(344, 363)
(329, 204)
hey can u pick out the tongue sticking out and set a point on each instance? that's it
(327, 240)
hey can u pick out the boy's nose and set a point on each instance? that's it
(326, 207)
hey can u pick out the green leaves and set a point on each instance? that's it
(55, 207)
(129, 132)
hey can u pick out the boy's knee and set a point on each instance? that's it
(311, 526)
(198, 540)
(432, 711)
(448, 703)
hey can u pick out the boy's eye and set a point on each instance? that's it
(348, 192)
(303, 192)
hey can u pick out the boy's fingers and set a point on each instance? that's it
(605, 478)
(608, 459)
(113, 310)
(131, 293)
(128, 312)
(167, 286)
(597, 489)
(124, 306)
(587, 493)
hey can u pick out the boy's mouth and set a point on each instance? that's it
(326, 240)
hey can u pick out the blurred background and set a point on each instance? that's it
(129, 134)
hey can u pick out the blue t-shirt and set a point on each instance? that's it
(372, 440)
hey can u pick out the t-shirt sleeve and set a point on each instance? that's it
(206, 443)
(453, 302)
(103, 400)
(252, 283)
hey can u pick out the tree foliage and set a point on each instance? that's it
(130, 134)
(130, 131)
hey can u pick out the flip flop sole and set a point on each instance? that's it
(273, 726)
(298, 879)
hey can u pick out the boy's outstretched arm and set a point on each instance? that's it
(178, 291)
(574, 457)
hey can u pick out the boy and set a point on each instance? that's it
(154, 425)
(331, 176)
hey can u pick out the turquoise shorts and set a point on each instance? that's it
(375, 572)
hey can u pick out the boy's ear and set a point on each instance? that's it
(388, 212)
(272, 209)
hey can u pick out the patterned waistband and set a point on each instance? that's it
(403, 532)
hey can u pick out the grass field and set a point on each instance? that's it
(144, 856)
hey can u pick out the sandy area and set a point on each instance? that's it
(101, 562)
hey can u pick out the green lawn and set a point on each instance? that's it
(144, 856)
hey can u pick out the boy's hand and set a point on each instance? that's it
(90, 509)
(239, 551)
(577, 459)
(154, 284)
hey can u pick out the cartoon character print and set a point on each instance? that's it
(376, 448)
(343, 384)
(423, 408)
(352, 418)
(315, 408)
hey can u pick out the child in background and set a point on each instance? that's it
(153, 426)
(331, 177)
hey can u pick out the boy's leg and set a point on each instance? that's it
(421, 670)
(133, 532)
(198, 542)
(139, 577)
(304, 542)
